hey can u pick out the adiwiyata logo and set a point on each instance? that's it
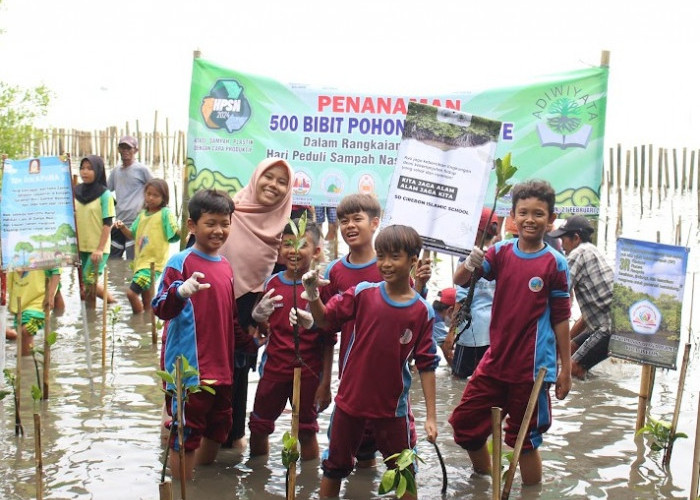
(226, 106)
(645, 317)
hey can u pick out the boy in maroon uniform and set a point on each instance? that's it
(196, 300)
(392, 325)
(529, 325)
(279, 360)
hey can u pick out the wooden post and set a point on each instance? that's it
(180, 427)
(497, 442)
(105, 306)
(296, 392)
(522, 433)
(154, 334)
(677, 410)
(636, 168)
(627, 169)
(37, 457)
(696, 458)
(47, 346)
(20, 341)
(643, 168)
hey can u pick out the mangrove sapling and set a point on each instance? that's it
(400, 479)
(659, 434)
(504, 171)
(290, 455)
(113, 320)
(37, 394)
(49, 341)
(11, 381)
(189, 377)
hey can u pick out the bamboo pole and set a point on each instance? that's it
(692, 170)
(180, 427)
(675, 170)
(610, 176)
(18, 368)
(636, 168)
(684, 177)
(522, 433)
(37, 457)
(497, 442)
(696, 458)
(105, 306)
(154, 335)
(677, 409)
(47, 346)
(627, 169)
(296, 392)
(618, 166)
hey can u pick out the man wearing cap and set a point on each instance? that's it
(127, 181)
(591, 281)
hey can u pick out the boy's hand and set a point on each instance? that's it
(266, 306)
(322, 399)
(423, 273)
(304, 318)
(311, 281)
(431, 429)
(563, 385)
(475, 259)
(192, 286)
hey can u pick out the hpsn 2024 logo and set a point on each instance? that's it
(226, 106)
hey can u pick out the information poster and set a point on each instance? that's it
(647, 302)
(38, 222)
(438, 186)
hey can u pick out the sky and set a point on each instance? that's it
(111, 62)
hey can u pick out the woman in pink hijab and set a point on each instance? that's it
(262, 211)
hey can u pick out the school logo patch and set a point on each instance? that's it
(536, 284)
(406, 336)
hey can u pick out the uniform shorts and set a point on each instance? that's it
(271, 398)
(33, 321)
(391, 435)
(142, 280)
(323, 212)
(89, 277)
(471, 419)
(206, 415)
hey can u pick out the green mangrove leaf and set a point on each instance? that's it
(388, 482)
(165, 376)
(4, 394)
(36, 393)
(208, 388)
(401, 487)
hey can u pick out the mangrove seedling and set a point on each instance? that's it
(191, 384)
(290, 455)
(659, 434)
(504, 171)
(50, 340)
(297, 243)
(400, 479)
(10, 380)
(113, 320)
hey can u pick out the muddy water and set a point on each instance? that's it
(101, 437)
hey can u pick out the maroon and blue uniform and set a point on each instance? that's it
(531, 296)
(374, 389)
(279, 360)
(204, 329)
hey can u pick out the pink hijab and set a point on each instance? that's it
(256, 231)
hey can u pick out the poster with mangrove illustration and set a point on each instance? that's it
(342, 141)
(37, 223)
(647, 302)
(438, 187)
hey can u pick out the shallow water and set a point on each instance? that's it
(101, 434)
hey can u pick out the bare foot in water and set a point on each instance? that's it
(10, 333)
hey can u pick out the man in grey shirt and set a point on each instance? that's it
(127, 181)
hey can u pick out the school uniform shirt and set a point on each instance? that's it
(386, 336)
(30, 286)
(532, 295)
(344, 275)
(204, 328)
(279, 359)
(153, 234)
(89, 220)
(477, 335)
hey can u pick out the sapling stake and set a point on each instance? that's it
(180, 427)
(47, 346)
(504, 171)
(522, 433)
(86, 329)
(497, 445)
(105, 308)
(36, 396)
(18, 367)
(154, 335)
(3, 317)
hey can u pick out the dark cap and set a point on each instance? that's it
(129, 141)
(574, 224)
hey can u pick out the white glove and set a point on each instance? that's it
(192, 286)
(475, 259)
(311, 281)
(304, 318)
(266, 306)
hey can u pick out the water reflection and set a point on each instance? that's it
(101, 435)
